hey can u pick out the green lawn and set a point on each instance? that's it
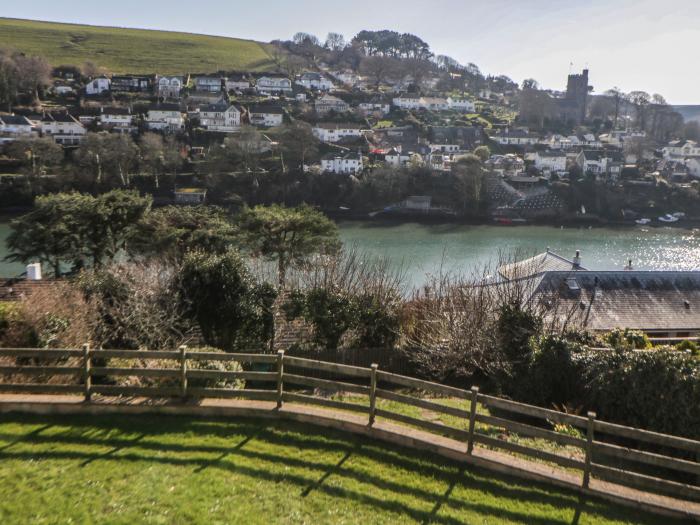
(171, 470)
(132, 50)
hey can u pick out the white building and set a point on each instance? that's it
(63, 128)
(237, 83)
(119, 119)
(213, 84)
(169, 87)
(13, 127)
(600, 162)
(316, 81)
(266, 115)
(550, 161)
(165, 117)
(328, 103)
(515, 137)
(97, 86)
(334, 132)
(380, 108)
(274, 85)
(680, 149)
(223, 117)
(416, 102)
(461, 104)
(349, 163)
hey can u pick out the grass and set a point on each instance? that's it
(149, 469)
(122, 50)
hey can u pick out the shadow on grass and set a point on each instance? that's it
(147, 447)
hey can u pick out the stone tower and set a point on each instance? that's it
(577, 96)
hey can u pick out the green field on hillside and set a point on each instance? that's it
(159, 469)
(132, 50)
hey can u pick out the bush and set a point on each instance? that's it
(627, 339)
(685, 346)
(218, 366)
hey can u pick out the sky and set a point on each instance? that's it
(648, 45)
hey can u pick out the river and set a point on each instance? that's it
(420, 249)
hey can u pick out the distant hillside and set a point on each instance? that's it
(132, 50)
(689, 112)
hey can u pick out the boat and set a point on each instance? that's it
(679, 215)
(643, 221)
(668, 218)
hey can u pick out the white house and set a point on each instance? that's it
(265, 115)
(274, 85)
(551, 161)
(416, 102)
(119, 119)
(97, 86)
(380, 108)
(407, 101)
(334, 132)
(348, 77)
(312, 80)
(221, 117)
(63, 128)
(328, 103)
(169, 87)
(165, 117)
(681, 148)
(14, 127)
(212, 84)
(601, 162)
(349, 163)
(461, 104)
(237, 83)
(515, 137)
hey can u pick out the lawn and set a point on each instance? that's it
(132, 50)
(146, 469)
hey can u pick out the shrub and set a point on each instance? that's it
(627, 339)
(691, 346)
(218, 366)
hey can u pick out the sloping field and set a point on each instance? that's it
(132, 50)
(160, 469)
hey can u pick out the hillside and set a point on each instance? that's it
(132, 50)
(689, 112)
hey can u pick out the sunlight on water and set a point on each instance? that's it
(420, 248)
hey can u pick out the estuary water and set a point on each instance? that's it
(421, 249)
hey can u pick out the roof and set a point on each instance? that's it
(263, 108)
(60, 117)
(642, 300)
(338, 125)
(595, 154)
(543, 262)
(165, 106)
(310, 75)
(15, 120)
(116, 111)
(219, 107)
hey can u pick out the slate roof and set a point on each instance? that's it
(543, 262)
(643, 300)
(267, 109)
(15, 120)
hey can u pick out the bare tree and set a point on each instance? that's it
(335, 42)
(34, 74)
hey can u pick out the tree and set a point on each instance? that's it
(233, 311)
(107, 156)
(291, 236)
(483, 152)
(469, 179)
(172, 232)
(378, 68)
(36, 155)
(9, 79)
(75, 228)
(158, 155)
(297, 142)
(335, 42)
(34, 73)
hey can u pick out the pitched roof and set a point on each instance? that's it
(338, 125)
(643, 300)
(15, 120)
(266, 108)
(538, 264)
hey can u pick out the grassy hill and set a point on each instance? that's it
(132, 50)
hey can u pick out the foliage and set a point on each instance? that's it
(232, 309)
(215, 366)
(291, 236)
(173, 231)
(74, 228)
(626, 339)
(688, 346)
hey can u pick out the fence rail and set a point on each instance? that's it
(602, 450)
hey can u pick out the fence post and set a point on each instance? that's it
(280, 374)
(373, 393)
(589, 450)
(183, 372)
(472, 418)
(86, 369)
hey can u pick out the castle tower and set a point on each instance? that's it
(577, 95)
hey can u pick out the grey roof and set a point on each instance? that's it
(543, 262)
(643, 300)
(594, 154)
(15, 120)
(269, 109)
(338, 125)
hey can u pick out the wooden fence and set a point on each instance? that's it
(608, 452)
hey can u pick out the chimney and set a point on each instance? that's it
(34, 272)
(577, 259)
